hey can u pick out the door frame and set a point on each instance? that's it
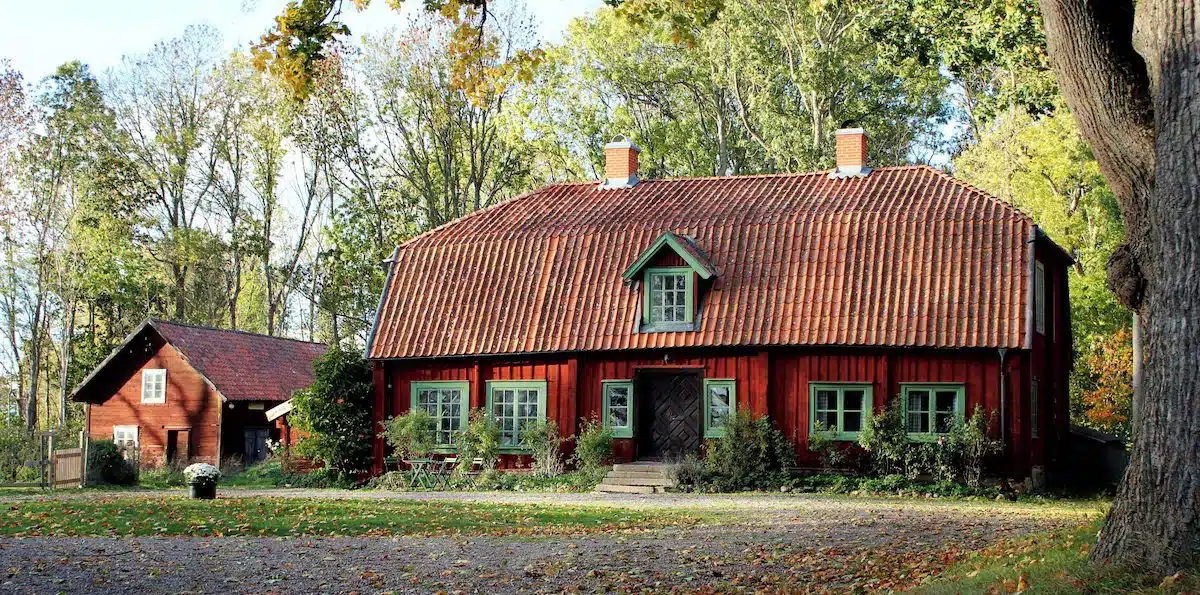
(644, 405)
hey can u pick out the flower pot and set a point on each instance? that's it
(203, 491)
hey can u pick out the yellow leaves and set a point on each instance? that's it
(1170, 580)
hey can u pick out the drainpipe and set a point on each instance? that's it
(1003, 400)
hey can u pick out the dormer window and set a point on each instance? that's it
(672, 274)
(668, 296)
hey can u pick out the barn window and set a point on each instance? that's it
(154, 385)
(932, 409)
(516, 405)
(668, 296)
(840, 409)
(447, 403)
(720, 402)
(125, 437)
(618, 407)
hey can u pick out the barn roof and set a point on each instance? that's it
(905, 256)
(241, 366)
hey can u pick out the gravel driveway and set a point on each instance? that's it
(759, 541)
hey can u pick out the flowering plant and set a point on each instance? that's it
(202, 474)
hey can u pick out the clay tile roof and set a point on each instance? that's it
(244, 366)
(907, 256)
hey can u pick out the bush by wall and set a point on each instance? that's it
(545, 445)
(410, 435)
(752, 453)
(593, 447)
(106, 464)
(481, 440)
(334, 413)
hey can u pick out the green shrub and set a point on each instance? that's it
(323, 478)
(593, 447)
(410, 435)
(576, 481)
(975, 446)
(334, 413)
(165, 476)
(884, 439)
(481, 440)
(545, 444)
(688, 472)
(394, 481)
(106, 464)
(18, 450)
(821, 441)
(750, 455)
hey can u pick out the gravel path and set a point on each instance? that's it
(762, 541)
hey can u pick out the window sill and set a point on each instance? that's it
(926, 437)
(840, 437)
(622, 434)
(668, 327)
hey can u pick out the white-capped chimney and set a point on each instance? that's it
(620, 163)
(851, 152)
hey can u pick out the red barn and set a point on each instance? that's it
(181, 392)
(662, 306)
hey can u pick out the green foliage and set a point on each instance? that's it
(334, 414)
(481, 440)
(821, 441)
(884, 438)
(545, 445)
(165, 476)
(751, 451)
(107, 465)
(411, 435)
(688, 472)
(593, 447)
(18, 448)
(576, 481)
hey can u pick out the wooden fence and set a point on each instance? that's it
(68, 467)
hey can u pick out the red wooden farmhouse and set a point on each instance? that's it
(181, 392)
(663, 306)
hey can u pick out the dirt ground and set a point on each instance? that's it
(754, 543)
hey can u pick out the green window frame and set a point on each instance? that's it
(448, 403)
(720, 403)
(932, 409)
(514, 404)
(834, 406)
(618, 407)
(664, 301)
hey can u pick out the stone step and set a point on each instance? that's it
(622, 489)
(617, 473)
(641, 467)
(638, 481)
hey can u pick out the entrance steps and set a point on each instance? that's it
(643, 477)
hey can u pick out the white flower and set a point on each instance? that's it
(202, 473)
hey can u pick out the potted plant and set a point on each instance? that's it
(202, 480)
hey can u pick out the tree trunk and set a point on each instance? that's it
(1139, 110)
(64, 373)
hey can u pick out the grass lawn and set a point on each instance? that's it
(1050, 563)
(125, 516)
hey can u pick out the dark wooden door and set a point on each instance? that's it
(256, 445)
(670, 420)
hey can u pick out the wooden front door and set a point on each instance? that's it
(669, 421)
(256, 445)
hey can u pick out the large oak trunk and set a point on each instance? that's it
(1154, 524)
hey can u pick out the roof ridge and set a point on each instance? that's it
(155, 321)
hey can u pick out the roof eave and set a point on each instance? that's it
(704, 269)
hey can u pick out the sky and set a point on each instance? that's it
(38, 35)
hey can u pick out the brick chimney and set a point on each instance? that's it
(620, 163)
(851, 153)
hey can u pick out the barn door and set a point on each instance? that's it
(670, 420)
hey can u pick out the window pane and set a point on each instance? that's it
(827, 420)
(852, 400)
(718, 396)
(946, 400)
(944, 422)
(851, 421)
(918, 422)
(656, 282)
(918, 400)
(618, 417)
(618, 396)
(826, 400)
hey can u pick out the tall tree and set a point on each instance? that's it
(1129, 77)
(165, 105)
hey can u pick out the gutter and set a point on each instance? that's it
(1031, 271)
(379, 306)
